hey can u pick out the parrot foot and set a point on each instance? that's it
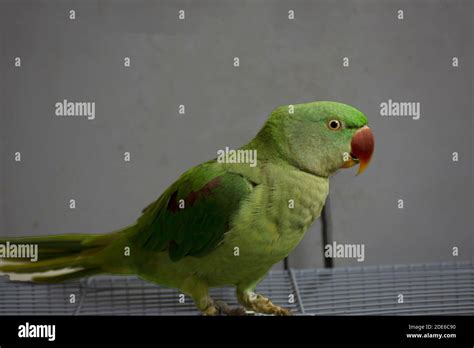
(221, 308)
(225, 309)
(210, 310)
(261, 304)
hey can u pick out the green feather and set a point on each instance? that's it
(191, 217)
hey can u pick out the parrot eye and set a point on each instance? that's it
(334, 124)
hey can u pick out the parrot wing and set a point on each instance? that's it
(192, 215)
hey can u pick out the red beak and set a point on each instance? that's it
(362, 147)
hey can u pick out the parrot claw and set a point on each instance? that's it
(261, 304)
(225, 309)
(221, 308)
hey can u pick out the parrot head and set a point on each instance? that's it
(321, 137)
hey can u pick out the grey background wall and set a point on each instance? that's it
(190, 62)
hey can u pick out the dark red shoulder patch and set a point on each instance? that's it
(172, 203)
(193, 196)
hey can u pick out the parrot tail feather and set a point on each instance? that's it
(79, 254)
(68, 276)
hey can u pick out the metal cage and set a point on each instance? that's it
(418, 289)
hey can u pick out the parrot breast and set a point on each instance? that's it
(278, 213)
(301, 197)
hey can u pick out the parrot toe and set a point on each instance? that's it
(261, 304)
(225, 309)
(210, 310)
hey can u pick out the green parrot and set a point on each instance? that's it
(221, 223)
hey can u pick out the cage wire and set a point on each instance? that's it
(416, 289)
